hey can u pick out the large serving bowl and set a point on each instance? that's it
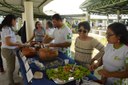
(64, 74)
(28, 51)
(47, 54)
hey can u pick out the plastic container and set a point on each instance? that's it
(40, 65)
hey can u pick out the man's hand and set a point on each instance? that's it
(49, 45)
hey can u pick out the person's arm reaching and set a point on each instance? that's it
(31, 37)
(62, 45)
(96, 65)
(9, 43)
(47, 39)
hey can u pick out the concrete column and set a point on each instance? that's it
(23, 17)
(107, 20)
(88, 16)
(18, 24)
(118, 15)
(44, 23)
(28, 5)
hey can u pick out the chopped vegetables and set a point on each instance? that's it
(63, 72)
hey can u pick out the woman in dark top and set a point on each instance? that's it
(22, 33)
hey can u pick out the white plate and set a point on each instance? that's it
(58, 81)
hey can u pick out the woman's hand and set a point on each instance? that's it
(104, 73)
(19, 45)
(93, 67)
(92, 60)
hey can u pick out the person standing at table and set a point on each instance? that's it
(84, 46)
(38, 33)
(61, 35)
(49, 28)
(1, 64)
(9, 44)
(1, 61)
(115, 59)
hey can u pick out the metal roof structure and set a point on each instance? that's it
(105, 6)
(17, 7)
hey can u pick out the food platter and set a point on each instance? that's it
(58, 81)
(63, 74)
(47, 54)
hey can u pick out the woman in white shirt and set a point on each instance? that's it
(115, 59)
(9, 44)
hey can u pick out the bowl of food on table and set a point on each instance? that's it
(64, 74)
(28, 51)
(32, 43)
(47, 54)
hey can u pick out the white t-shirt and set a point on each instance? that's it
(62, 35)
(115, 60)
(50, 31)
(7, 32)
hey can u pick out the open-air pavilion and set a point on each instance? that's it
(28, 10)
(116, 8)
(106, 7)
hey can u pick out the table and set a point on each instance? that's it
(33, 67)
(45, 80)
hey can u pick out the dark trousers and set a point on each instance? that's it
(1, 61)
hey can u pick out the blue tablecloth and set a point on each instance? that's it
(44, 80)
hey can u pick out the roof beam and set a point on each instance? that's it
(42, 3)
(105, 5)
(10, 6)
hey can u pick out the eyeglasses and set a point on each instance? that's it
(109, 35)
(84, 31)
